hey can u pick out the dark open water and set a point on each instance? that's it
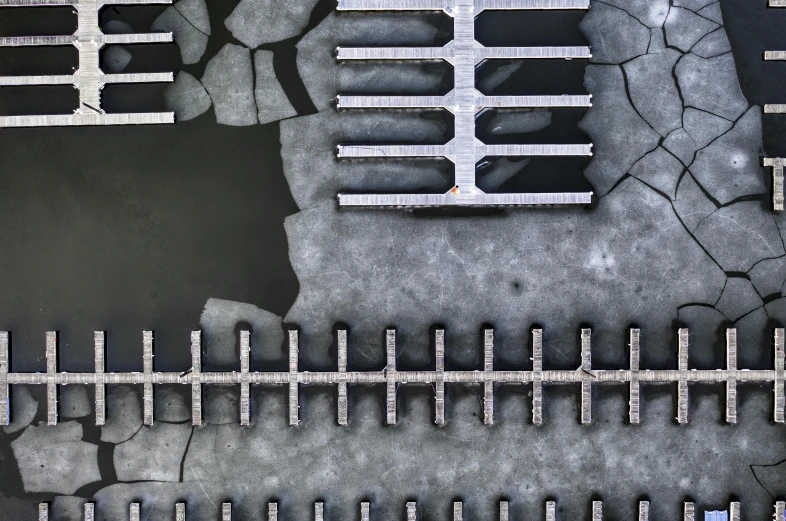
(133, 228)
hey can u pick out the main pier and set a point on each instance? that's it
(89, 79)
(584, 376)
(688, 511)
(464, 53)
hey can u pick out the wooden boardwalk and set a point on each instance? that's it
(584, 376)
(411, 513)
(89, 79)
(464, 53)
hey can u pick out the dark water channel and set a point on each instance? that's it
(130, 228)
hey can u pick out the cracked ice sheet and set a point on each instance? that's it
(53, 458)
(513, 459)
(629, 260)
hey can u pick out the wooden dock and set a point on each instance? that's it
(777, 165)
(411, 512)
(584, 376)
(464, 53)
(89, 79)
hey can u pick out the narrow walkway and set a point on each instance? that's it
(584, 375)
(688, 509)
(464, 101)
(89, 78)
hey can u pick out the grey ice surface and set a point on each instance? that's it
(49, 455)
(255, 22)
(191, 41)
(272, 101)
(115, 59)
(74, 401)
(325, 78)
(520, 121)
(222, 318)
(711, 84)
(392, 268)
(619, 133)
(124, 414)
(660, 170)
(714, 44)
(24, 408)
(186, 97)
(229, 79)
(740, 235)
(388, 466)
(630, 38)
(170, 404)
(684, 28)
(730, 167)
(652, 89)
(153, 454)
(739, 298)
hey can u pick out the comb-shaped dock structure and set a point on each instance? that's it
(464, 53)
(392, 379)
(89, 79)
(689, 511)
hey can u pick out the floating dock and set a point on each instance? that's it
(392, 378)
(777, 165)
(89, 79)
(550, 511)
(464, 53)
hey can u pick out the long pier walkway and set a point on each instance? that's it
(464, 53)
(89, 79)
(688, 509)
(584, 376)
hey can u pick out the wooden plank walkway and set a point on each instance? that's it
(487, 377)
(411, 513)
(464, 53)
(777, 165)
(88, 78)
